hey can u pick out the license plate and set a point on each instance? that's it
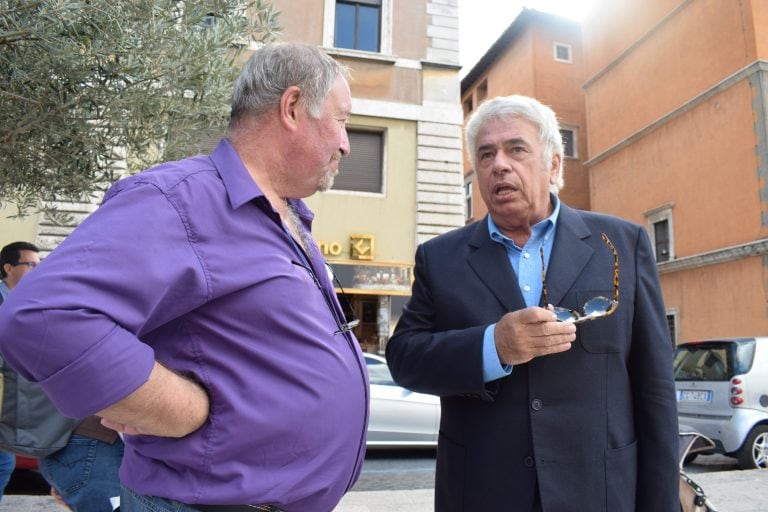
(694, 395)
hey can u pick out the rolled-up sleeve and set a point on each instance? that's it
(74, 324)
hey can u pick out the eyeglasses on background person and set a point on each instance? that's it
(29, 264)
(596, 307)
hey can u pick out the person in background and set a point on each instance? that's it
(555, 375)
(194, 313)
(84, 474)
(16, 259)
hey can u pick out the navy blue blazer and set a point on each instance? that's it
(595, 427)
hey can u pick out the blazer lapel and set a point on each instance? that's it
(489, 261)
(570, 254)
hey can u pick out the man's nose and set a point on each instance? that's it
(344, 147)
(500, 163)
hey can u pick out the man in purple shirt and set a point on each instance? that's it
(194, 313)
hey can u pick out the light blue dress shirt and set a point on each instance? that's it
(526, 262)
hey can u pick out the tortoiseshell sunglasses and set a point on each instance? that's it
(596, 307)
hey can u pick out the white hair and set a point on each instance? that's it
(522, 107)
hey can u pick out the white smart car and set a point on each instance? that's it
(722, 392)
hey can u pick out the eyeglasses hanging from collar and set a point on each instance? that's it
(596, 307)
(351, 321)
(344, 325)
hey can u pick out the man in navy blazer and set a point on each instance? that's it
(544, 408)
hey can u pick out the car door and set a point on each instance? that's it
(399, 417)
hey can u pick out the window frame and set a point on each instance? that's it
(468, 197)
(574, 141)
(481, 91)
(568, 47)
(673, 319)
(468, 106)
(654, 217)
(360, 23)
(385, 27)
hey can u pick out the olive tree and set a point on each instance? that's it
(90, 87)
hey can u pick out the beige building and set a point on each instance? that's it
(402, 183)
(677, 111)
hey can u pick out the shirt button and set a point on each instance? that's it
(529, 462)
(536, 404)
(527, 288)
(526, 255)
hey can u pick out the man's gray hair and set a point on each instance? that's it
(521, 107)
(275, 67)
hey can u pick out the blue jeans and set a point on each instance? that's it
(134, 502)
(7, 463)
(85, 473)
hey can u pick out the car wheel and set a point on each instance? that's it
(754, 453)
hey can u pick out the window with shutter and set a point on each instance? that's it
(362, 171)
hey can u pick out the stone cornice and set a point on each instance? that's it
(634, 46)
(742, 74)
(705, 259)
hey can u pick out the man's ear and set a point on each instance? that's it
(554, 169)
(290, 107)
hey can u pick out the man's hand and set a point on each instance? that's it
(531, 332)
(168, 405)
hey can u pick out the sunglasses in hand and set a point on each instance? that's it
(596, 307)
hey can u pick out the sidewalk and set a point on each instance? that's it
(730, 491)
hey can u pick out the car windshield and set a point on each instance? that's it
(713, 361)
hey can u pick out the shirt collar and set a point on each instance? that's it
(240, 185)
(539, 230)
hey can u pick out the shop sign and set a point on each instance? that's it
(360, 248)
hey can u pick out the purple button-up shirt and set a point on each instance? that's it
(188, 264)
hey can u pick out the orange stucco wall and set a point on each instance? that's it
(702, 44)
(672, 124)
(703, 162)
(727, 300)
(614, 25)
(759, 20)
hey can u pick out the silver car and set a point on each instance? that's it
(722, 391)
(399, 418)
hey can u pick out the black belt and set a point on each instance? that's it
(236, 508)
